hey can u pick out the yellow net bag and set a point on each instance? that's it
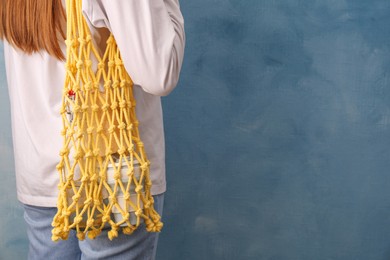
(104, 171)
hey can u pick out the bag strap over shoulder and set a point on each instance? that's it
(104, 170)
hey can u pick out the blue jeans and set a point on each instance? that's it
(139, 245)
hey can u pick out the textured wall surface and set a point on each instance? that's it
(277, 136)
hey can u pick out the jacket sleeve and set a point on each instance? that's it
(150, 35)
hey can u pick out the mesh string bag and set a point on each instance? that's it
(104, 171)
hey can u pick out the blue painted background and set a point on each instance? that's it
(278, 135)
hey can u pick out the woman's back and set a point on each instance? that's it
(152, 51)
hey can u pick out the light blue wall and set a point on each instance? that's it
(278, 135)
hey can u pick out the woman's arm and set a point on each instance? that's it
(150, 35)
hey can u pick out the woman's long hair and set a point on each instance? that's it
(33, 25)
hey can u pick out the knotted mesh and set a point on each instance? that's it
(104, 170)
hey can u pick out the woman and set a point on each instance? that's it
(150, 35)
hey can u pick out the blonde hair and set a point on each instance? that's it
(33, 25)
